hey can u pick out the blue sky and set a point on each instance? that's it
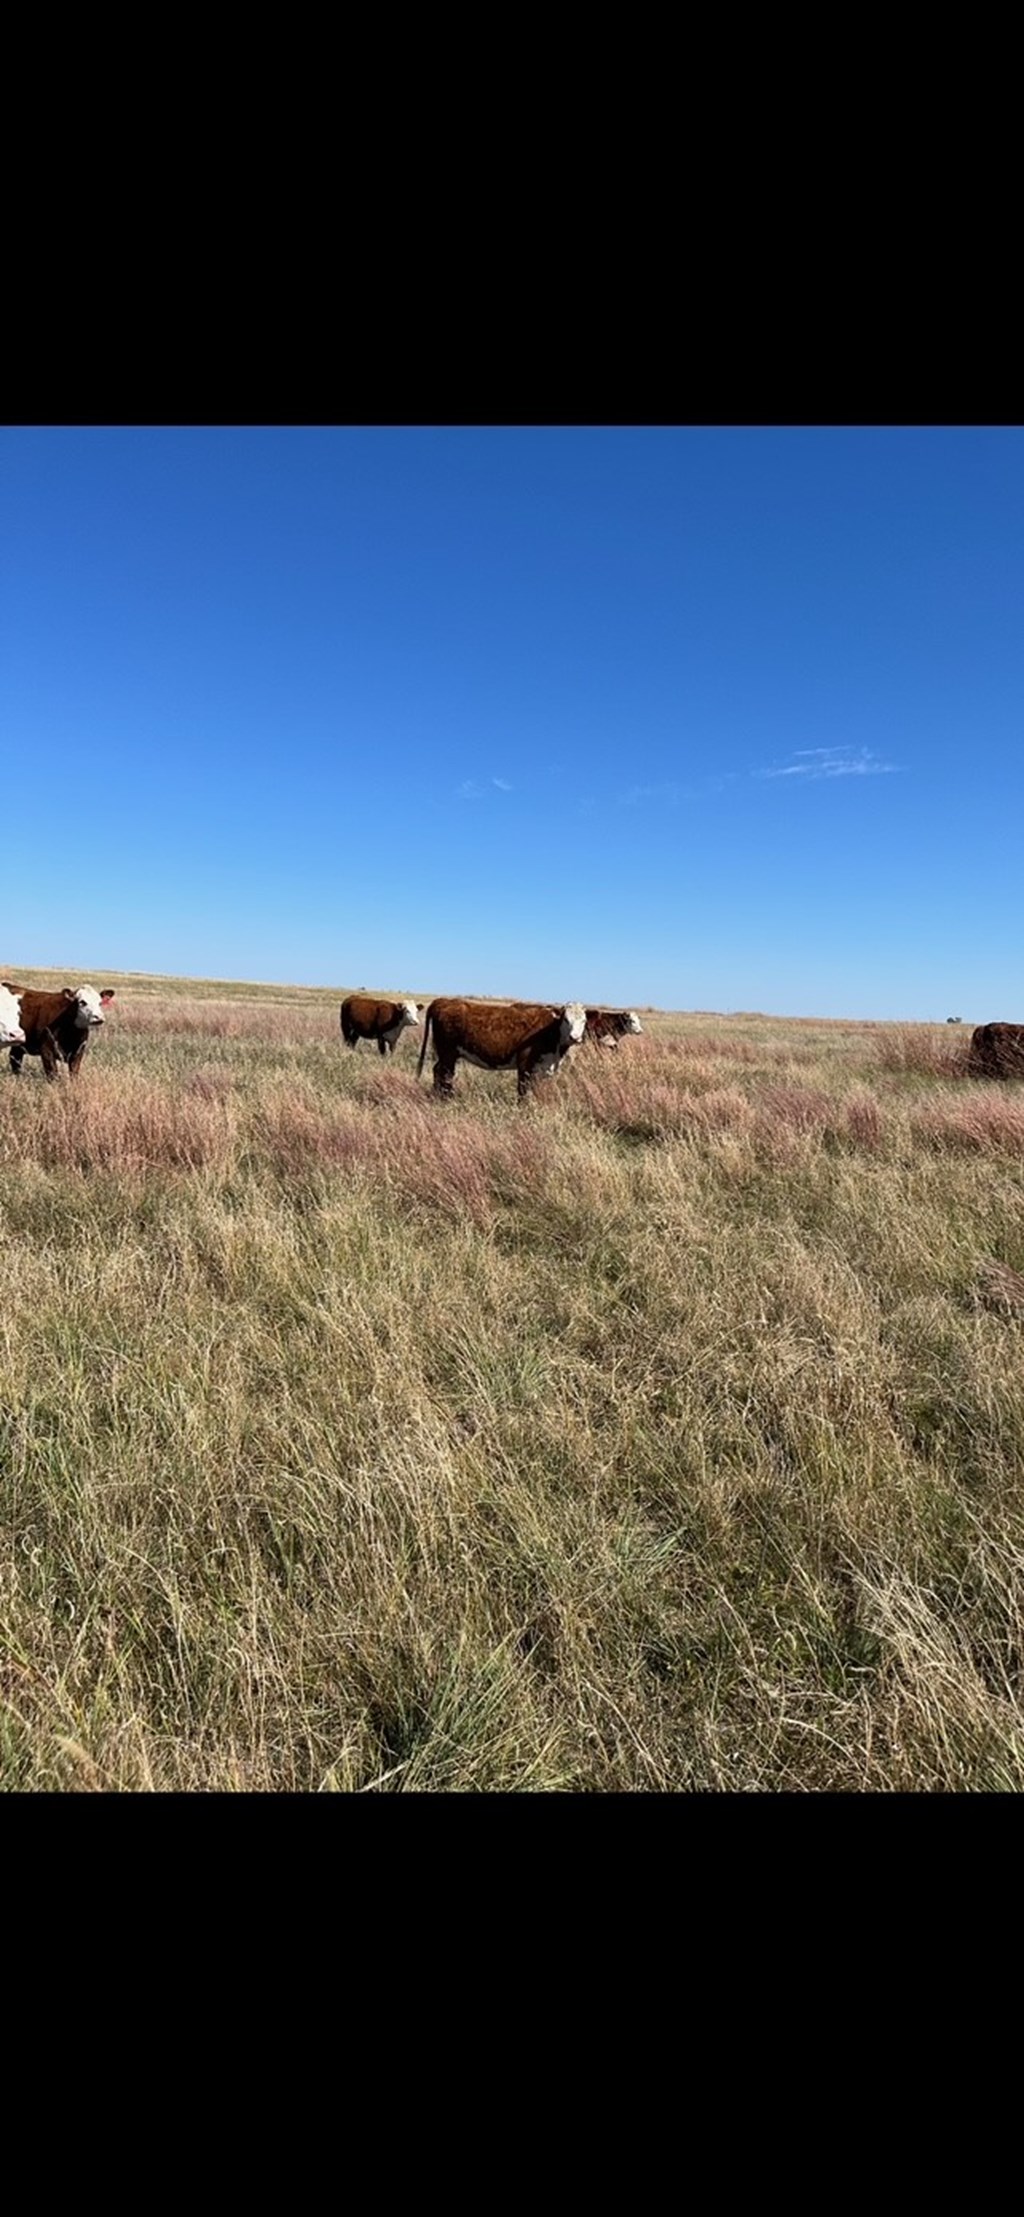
(696, 717)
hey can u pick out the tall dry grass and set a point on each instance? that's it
(667, 1435)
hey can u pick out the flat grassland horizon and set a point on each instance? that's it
(666, 1434)
(152, 984)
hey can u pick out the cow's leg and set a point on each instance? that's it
(49, 1056)
(17, 1058)
(384, 1045)
(444, 1078)
(75, 1060)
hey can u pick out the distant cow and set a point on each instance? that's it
(57, 1026)
(530, 1036)
(364, 1018)
(606, 1026)
(997, 1051)
(11, 1033)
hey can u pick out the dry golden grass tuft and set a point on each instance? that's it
(922, 1050)
(666, 1435)
(984, 1121)
(1000, 1288)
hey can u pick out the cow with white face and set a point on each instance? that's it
(531, 1037)
(364, 1017)
(606, 1026)
(11, 1031)
(58, 1026)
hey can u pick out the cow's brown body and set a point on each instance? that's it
(531, 1037)
(606, 1026)
(363, 1017)
(54, 1030)
(997, 1050)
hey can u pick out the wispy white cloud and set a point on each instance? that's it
(818, 762)
(475, 788)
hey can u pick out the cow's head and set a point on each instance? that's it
(632, 1023)
(89, 1006)
(11, 1034)
(409, 1013)
(573, 1024)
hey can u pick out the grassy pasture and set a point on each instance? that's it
(667, 1434)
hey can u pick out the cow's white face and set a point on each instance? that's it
(89, 1008)
(574, 1023)
(633, 1023)
(11, 1034)
(410, 1013)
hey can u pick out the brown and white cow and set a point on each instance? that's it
(362, 1017)
(11, 1032)
(606, 1026)
(997, 1051)
(58, 1026)
(529, 1036)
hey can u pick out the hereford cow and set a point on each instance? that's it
(364, 1018)
(606, 1026)
(11, 1033)
(997, 1051)
(531, 1036)
(57, 1026)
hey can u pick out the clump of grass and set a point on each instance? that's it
(708, 1047)
(648, 1104)
(296, 1134)
(998, 1286)
(227, 1020)
(864, 1120)
(800, 1108)
(135, 1126)
(921, 1050)
(466, 1168)
(983, 1122)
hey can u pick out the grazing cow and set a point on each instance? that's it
(364, 1018)
(11, 1033)
(606, 1026)
(57, 1026)
(531, 1036)
(997, 1051)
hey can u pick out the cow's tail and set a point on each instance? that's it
(427, 1021)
